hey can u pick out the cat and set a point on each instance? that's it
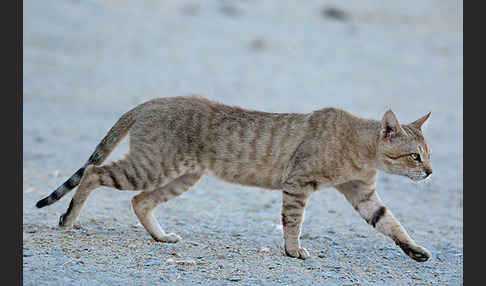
(174, 141)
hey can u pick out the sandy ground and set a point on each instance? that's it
(87, 62)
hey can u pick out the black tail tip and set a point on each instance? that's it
(42, 203)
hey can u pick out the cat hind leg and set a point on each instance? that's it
(146, 202)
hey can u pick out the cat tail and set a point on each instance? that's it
(102, 151)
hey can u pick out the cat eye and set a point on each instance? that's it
(415, 156)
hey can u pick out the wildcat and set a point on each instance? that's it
(174, 141)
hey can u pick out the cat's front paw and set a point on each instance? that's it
(416, 252)
(300, 252)
(169, 238)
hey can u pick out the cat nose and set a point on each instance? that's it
(428, 172)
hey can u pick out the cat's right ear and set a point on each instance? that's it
(390, 127)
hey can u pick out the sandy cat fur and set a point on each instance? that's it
(174, 141)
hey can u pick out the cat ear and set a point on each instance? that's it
(390, 127)
(419, 122)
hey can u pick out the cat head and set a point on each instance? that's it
(402, 149)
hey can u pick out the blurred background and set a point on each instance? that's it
(87, 62)
(103, 57)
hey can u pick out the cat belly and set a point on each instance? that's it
(250, 175)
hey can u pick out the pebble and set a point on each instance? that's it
(267, 206)
(77, 269)
(333, 267)
(235, 278)
(186, 262)
(28, 254)
(181, 262)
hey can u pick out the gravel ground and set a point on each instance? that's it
(87, 62)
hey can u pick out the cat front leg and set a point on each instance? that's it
(293, 209)
(298, 183)
(368, 204)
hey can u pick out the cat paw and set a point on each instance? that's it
(300, 252)
(416, 252)
(170, 238)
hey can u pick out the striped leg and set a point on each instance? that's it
(366, 201)
(122, 175)
(293, 208)
(145, 203)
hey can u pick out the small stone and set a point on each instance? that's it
(259, 44)
(76, 269)
(179, 262)
(174, 253)
(334, 13)
(235, 278)
(28, 254)
(186, 262)
(230, 11)
(152, 263)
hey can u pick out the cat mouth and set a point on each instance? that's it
(423, 176)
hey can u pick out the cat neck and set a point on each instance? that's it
(367, 132)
